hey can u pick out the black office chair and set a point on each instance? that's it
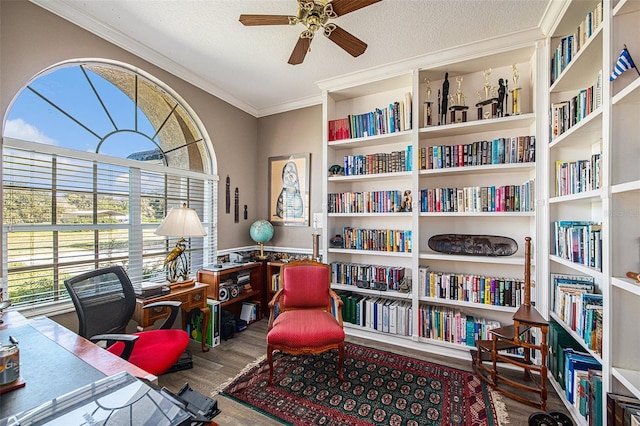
(105, 302)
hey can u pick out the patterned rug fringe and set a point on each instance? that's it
(501, 409)
(248, 367)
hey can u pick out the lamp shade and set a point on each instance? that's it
(181, 222)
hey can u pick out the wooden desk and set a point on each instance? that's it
(191, 297)
(54, 361)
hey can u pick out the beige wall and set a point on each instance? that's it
(293, 132)
(32, 39)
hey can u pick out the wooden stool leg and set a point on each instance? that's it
(494, 361)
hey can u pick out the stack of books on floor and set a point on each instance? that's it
(622, 410)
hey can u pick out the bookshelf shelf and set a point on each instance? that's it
(485, 169)
(498, 260)
(590, 128)
(629, 378)
(630, 94)
(463, 304)
(626, 6)
(593, 195)
(387, 294)
(574, 75)
(479, 126)
(372, 176)
(626, 187)
(362, 215)
(376, 140)
(370, 252)
(577, 267)
(477, 214)
(626, 284)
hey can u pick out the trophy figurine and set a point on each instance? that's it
(458, 104)
(428, 106)
(515, 92)
(490, 99)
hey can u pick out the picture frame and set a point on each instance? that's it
(289, 199)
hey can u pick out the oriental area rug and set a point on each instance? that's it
(380, 388)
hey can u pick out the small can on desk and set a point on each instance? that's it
(9, 364)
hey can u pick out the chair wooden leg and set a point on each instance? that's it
(270, 359)
(341, 362)
(494, 363)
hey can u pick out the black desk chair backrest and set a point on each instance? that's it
(104, 300)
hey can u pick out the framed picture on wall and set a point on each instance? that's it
(289, 189)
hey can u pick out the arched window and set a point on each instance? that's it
(94, 156)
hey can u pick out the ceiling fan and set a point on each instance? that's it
(315, 15)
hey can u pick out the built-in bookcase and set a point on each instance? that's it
(593, 186)
(504, 165)
(624, 210)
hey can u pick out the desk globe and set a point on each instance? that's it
(261, 231)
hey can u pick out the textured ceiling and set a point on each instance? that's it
(203, 42)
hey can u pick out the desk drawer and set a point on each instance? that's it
(195, 300)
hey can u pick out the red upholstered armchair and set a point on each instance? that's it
(302, 317)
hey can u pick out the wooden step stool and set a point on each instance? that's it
(487, 353)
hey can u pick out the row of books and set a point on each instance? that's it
(451, 325)
(570, 45)
(566, 114)
(275, 282)
(365, 202)
(471, 288)
(364, 275)
(377, 313)
(396, 117)
(579, 242)
(587, 383)
(508, 198)
(518, 149)
(382, 162)
(574, 177)
(576, 304)
(391, 240)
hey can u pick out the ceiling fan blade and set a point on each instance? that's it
(265, 19)
(342, 7)
(353, 45)
(300, 50)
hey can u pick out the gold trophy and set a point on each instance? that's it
(428, 108)
(490, 98)
(515, 92)
(458, 106)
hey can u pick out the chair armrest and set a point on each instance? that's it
(128, 339)
(174, 305)
(272, 304)
(338, 302)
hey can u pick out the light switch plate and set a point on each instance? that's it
(317, 220)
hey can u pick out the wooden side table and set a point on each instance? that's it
(191, 297)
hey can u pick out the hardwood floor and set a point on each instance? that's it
(214, 368)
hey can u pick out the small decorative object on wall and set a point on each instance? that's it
(236, 211)
(289, 189)
(473, 245)
(624, 62)
(246, 213)
(228, 201)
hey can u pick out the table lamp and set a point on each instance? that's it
(180, 222)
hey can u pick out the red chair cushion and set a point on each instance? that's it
(155, 350)
(306, 286)
(305, 329)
